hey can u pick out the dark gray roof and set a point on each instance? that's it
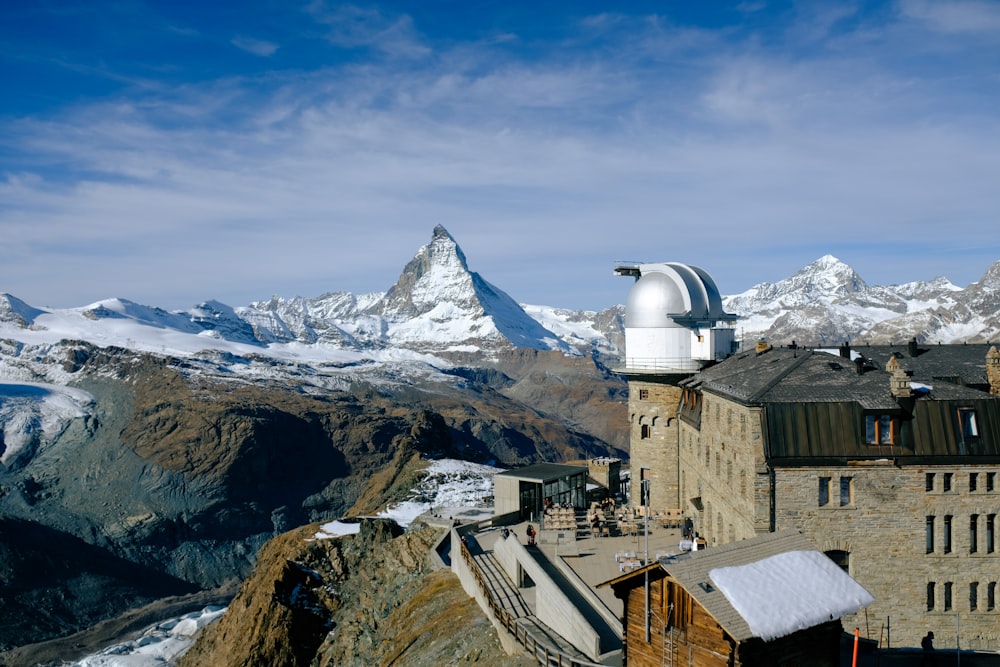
(954, 371)
(544, 472)
(815, 403)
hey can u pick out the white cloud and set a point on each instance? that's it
(255, 46)
(668, 143)
(352, 26)
(955, 16)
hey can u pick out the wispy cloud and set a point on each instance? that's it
(255, 46)
(958, 16)
(668, 142)
(353, 26)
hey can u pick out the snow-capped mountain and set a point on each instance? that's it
(436, 305)
(439, 307)
(827, 302)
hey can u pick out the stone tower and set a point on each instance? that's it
(993, 369)
(674, 325)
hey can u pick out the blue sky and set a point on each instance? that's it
(174, 152)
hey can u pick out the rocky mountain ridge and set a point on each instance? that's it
(439, 307)
(372, 597)
(827, 302)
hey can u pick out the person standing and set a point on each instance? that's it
(927, 644)
(531, 535)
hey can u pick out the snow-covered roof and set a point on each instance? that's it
(788, 592)
(769, 586)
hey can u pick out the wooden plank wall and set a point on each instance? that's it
(692, 638)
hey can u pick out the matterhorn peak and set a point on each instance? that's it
(438, 296)
(437, 273)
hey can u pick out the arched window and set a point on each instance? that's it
(841, 558)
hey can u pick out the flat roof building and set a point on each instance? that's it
(528, 490)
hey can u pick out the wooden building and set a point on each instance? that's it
(770, 601)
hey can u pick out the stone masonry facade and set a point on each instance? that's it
(924, 552)
(653, 425)
(873, 516)
(724, 481)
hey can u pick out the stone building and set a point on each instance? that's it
(884, 457)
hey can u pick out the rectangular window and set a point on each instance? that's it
(947, 534)
(973, 533)
(643, 394)
(929, 531)
(973, 596)
(947, 596)
(930, 596)
(967, 423)
(824, 491)
(946, 480)
(929, 482)
(991, 478)
(880, 429)
(846, 491)
(991, 596)
(990, 532)
(973, 482)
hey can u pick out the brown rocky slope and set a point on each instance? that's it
(371, 598)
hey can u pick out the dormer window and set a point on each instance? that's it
(968, 424)
(880, 429)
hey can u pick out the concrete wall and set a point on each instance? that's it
(471, 586)
(610, 617)
(552, 607)
(506, 495)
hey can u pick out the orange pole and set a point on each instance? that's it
(854, 662)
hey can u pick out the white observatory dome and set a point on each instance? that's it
(674, 322)
(668, 291)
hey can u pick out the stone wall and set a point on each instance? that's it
(606, 471)
(652, 408)
(722, 465)
(882, 526)
(880, 519)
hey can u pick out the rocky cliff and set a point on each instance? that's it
(371, 598)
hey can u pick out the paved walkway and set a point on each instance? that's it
(594, 558)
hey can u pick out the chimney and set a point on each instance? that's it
(993, 369)
(911, 347)
(899, 383)
(845, 350)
